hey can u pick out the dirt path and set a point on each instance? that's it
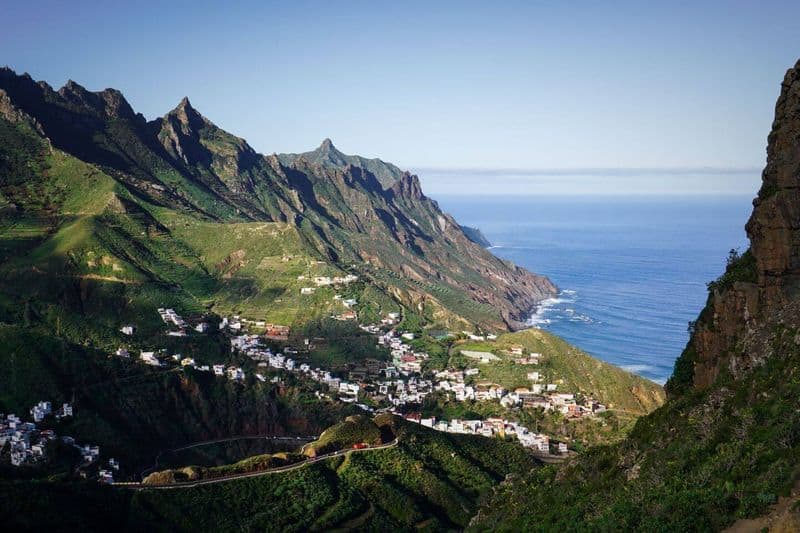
(783, 517)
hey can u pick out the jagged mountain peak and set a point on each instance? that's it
(327, 155)
(72, 85)
(326, 152)
(110, 102)
(8, 72)
(186, 113)
(185, 106)
(345, 207)
(326, 146)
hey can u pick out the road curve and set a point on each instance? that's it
(190, 484)
(156, 466)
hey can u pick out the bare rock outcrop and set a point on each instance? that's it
(758, 287)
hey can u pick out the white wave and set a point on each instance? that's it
(546, 311)
(538, 317)
(637, 369)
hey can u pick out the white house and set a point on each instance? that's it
(149, 358)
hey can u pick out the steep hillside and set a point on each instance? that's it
(726, 445)
(134, 412)
(430, 481)
(77, 164)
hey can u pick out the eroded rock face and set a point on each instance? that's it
(774, 227)
(723, 340)
(734, 313)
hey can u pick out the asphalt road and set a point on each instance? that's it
(287, 468)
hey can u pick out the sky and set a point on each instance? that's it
(538, 95)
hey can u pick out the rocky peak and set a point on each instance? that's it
(326, 146)
(327, 152)
(186, 116)
(755, 288)
(77, 94)
(774, 227)
(407, 186)
(109, 102)
(185, 112)
(115, 104)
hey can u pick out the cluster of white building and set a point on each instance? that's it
(44, 408)
(327, 281)
(407, 360)
(169, 316)
(491, 427)
(160, 359)
(401, 382)
(251, 346)
(28, 444)
(233, 324)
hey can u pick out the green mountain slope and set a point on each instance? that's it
(134, 412)
(351, 213)
(726, 445)
(106, 217)
(570, 368)
(430, 480)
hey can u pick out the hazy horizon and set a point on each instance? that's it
(589, 182)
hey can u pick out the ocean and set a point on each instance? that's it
(632, 271)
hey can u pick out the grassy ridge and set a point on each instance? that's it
(572, 369)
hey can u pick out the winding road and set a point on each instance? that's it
(190, 484)
(156, 466)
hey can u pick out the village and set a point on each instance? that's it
(402, 383)
(28, 445)
(398, 385)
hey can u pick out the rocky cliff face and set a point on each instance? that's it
(730, 335)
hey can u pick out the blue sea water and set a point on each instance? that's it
(632, 270)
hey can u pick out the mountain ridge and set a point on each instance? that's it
(348, 209)
(327, 154)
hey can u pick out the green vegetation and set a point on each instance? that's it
(739, 268)
(256, 463)
(357, 429)
(336, 343)
(697, 463)
(134, 412)
(430, 480)
(564, 365)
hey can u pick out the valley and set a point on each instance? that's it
(163, 286)
(173, 286)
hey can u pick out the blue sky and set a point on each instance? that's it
(467, 85)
